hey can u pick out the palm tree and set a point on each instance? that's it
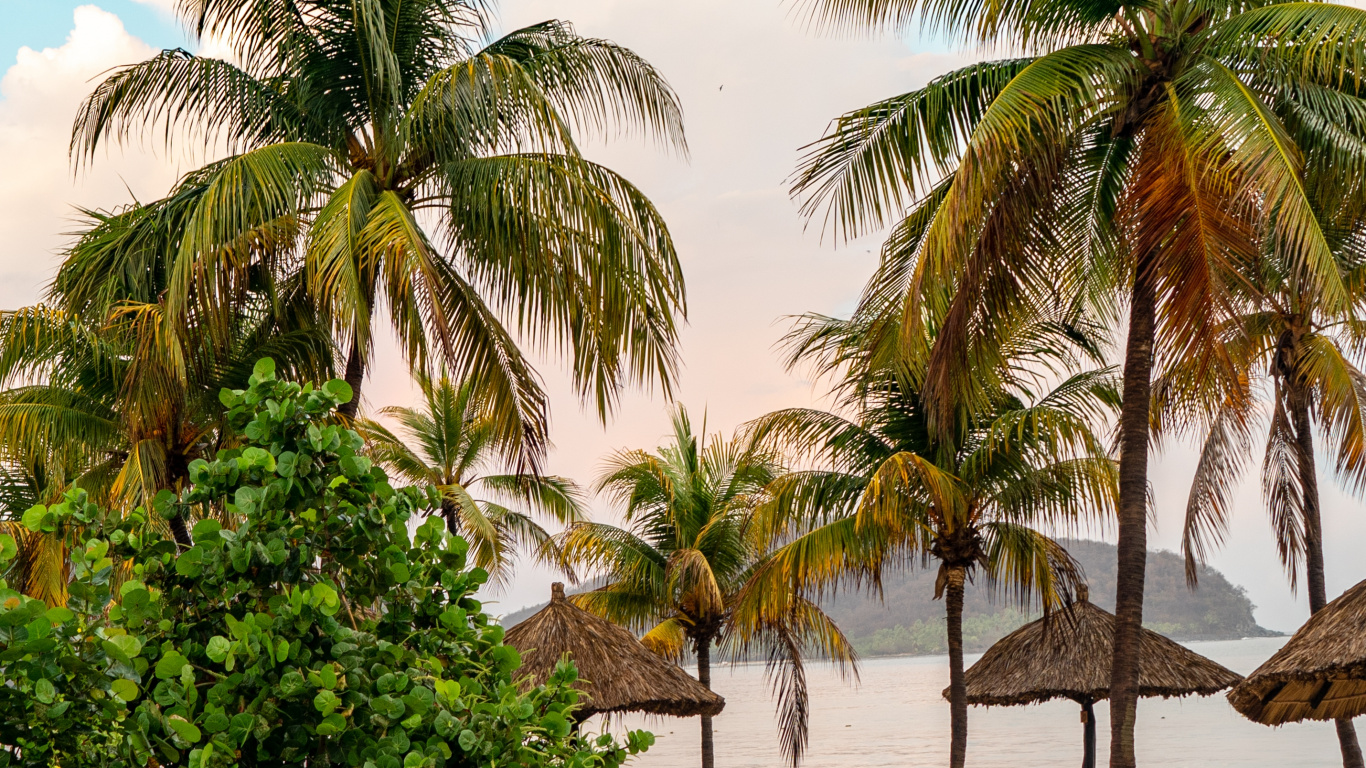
(39, 567)
(886, 489)
(682, 569)
(97, 390)
(1132, 154)
(392, 162)
(1306, 354)
(452, 443)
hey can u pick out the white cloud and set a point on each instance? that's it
(39, 95)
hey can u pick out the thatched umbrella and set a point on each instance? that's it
(1062, 657)
(616, 672)
(1320, 674)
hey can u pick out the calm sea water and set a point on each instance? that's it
(895, 717)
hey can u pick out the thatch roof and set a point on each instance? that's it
(616, 672)
(1069, 657)
(1319, 674)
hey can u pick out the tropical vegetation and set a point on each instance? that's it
(204, 565)
(887, 490)
(97, 391)
(314, 630)
(682, 570)
(1287, 343)
(1134, 154)
(451, 444)
(391, 158)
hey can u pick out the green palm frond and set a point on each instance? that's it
(176, 90)
(873, 162)
(594, 83)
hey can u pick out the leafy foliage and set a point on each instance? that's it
(318, 630)
(452, 443)
(422, 175)
(683, 568)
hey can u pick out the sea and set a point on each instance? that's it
(894, 716)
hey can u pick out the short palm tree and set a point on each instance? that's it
(39, 568)
(1139, 148)
(394, 163)
(96, 386)
(682, 568)
(452, 443)
(887, 489)
(1286, 337)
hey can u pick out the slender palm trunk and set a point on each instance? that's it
(178, 472)
(1088, 739)
(355, 376)
(704, 677)
(1313, 543)
(452, 515)
(180, 533)
(958, 690)
(1133, 519)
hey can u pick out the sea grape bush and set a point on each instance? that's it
(312, 629)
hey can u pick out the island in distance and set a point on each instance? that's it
(908, 621)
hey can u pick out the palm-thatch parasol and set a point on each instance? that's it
(616, 672)
(1320, 674)
(1069, 658)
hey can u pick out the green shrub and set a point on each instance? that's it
(316, 628)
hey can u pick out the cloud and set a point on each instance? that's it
(39, 96)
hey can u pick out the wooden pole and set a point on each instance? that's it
(1088, 719)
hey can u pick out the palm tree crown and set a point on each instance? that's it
(889, 490)
(452, 443)
(682, 569)
(392, 162)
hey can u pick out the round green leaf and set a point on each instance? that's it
(44, 691)
(126, 690)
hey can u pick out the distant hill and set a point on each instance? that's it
(907, 620)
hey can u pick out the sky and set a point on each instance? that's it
(755, 87)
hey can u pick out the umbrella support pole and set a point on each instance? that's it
(1088, 719)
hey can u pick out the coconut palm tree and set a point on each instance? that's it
(682, 568)
(1286, 337)
(396, 163)
(1144, 145)
(97, 390)
(452, 443)
(885, 489)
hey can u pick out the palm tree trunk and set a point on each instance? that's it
(178, 473)
(355, 376)
(958, 690)
(180, 533)
(704, 677)
(1088, 739)
(1133, 519)
(1313, 542)
(452, 515)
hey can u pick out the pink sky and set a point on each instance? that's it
(755, 87)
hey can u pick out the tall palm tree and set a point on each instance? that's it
(398, 164)
(452, 443)
(886, 489)
(1143, 145)
(1285, 336)
(682, 569)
